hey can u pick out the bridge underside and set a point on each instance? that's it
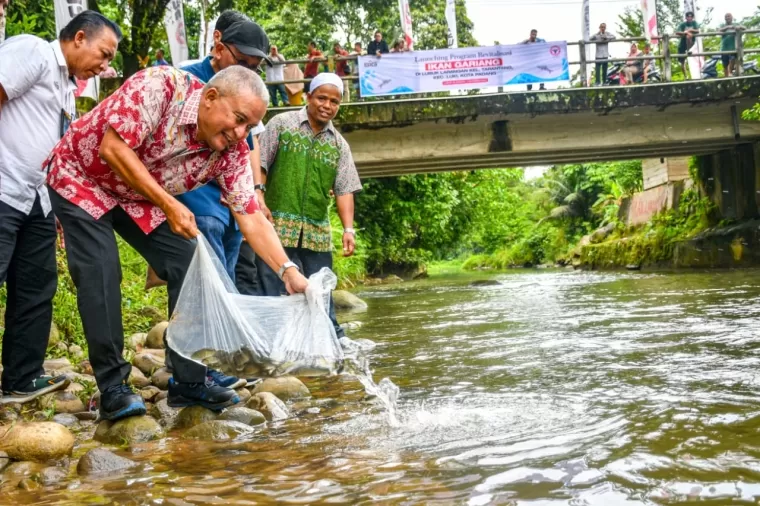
(392, 138)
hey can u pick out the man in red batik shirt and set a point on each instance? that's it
(117, 169)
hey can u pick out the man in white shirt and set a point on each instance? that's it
(36, 106)
(274, 69)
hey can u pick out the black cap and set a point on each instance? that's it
(249, 38)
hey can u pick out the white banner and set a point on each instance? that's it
(651, 31)
(463, 68)
(65, 10)
(451, 21)
(174, 21)
(406, 23)
(2, 29)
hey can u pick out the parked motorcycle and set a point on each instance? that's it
(615, 72)
(710, 68)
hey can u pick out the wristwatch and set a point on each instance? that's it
(287, 265)
(349, 230)
(261, 187)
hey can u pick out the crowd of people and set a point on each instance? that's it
(174, 153)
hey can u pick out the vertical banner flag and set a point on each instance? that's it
(651, 31)
(586, 27)
(464, 68)
(174, 21)
(406, 23)
(65, 10)
(2, 29)
(451, 20)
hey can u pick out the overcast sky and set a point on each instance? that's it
(510, 21)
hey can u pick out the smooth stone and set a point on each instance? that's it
(86, 416)
(137, 379)
(244, 394)
(347, 300)
(66, 419)
(29, 484)
(59, 365)
(194, 415)
(76, 351)
(392, 279)
(161, 378)
(148, 363)
(269, 405)
(244, 415)
(155, 338)
(9, 413)
(218, 430)
(20, 469)
(101, 460)
(62, 402)
(165, 414)
(85, 367)
(284, 387)
(134, 429)
(50, 476)
(36, 441)
(149, 393)
(156, 352)
(136, 341)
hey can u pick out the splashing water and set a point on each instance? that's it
(357, 364)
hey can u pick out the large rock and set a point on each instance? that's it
(155, 337)
(36, 441)
(137, 379)
(285, 388)
(218, 430)
(244, 415)
(136, 341)
(244, 394)
(149, 393)
(50, 475)
(102, 461)
(62, 402)
(9, 413)
(58, 365)
(66, 419)
(194, 415)
(134, 429)
(347, 300)
(161, 378)
(165, 414)
(148, 363)
(269, 405)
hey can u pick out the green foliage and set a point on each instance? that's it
(31, 16)
(350, 270)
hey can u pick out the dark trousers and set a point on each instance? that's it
(274, 90)
(309, 262)
(27, 265)
(601, 72)
(246, 271)
(93, 258)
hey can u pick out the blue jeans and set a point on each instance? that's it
(278, 88)
(224, 240)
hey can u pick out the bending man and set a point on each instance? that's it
(118, 168)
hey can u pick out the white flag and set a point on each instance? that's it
(2, 29)
(406, 23)
(451, 20)
(651, 31)
(174, 21)
(586, 32)
(65, 10)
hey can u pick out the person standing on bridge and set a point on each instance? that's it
(303, 161)
(687, 31)
(378, 47)
(534, 39)
(728, 43)
(602, 39)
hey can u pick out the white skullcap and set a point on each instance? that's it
(326, 78)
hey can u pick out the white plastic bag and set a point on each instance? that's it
(248, 336)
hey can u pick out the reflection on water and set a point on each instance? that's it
(552, 388)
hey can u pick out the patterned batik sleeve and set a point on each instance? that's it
(236, 181)
(269, 143)
(136, 108)
(347, 179)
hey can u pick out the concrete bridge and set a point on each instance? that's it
(408, 136)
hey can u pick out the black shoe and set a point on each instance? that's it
(36, 387)
(208, 394)
(119, 401)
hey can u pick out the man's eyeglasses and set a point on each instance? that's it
(255, 67)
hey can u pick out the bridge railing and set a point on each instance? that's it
(664, 54)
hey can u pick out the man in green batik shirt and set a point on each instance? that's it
(304, 161)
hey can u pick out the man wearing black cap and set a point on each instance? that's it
(244, 43)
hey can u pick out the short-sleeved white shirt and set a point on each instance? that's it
(35, 77)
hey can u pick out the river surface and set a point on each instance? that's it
(554, 387)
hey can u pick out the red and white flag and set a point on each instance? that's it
(649, 9)
(406, 23)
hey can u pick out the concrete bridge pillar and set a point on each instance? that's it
(731, 178)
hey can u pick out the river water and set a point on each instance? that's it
(553, 387)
